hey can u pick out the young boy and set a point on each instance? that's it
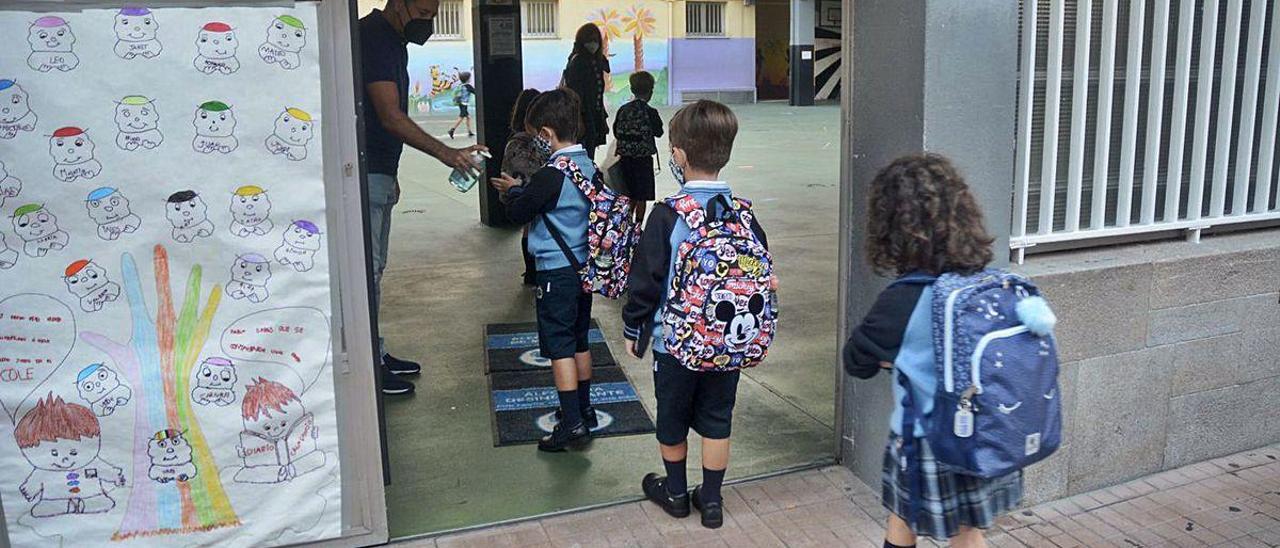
(636, 127)
(462, 97)
(557, 215)
(702, 137)
(61, 441)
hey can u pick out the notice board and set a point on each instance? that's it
(166, 353)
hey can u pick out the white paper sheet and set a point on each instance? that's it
(165, 341)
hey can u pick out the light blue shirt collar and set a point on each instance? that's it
(569, 150)
(714, 186)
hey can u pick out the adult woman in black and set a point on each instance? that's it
(584, 74)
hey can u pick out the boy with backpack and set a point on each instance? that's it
(580, 236)
(703, 290)
(971, 351)
(635, 127)
(462, 98)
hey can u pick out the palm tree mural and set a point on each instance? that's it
(640, 22)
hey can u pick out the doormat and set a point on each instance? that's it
(524, 403)
(514, 347)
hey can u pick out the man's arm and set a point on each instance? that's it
(386, 102)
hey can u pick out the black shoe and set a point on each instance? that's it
(393, 385)
(712, 512)
(451, 134)
(471, 135)
(589, 418)
(655, 489)
(562, 438)
(399, 366)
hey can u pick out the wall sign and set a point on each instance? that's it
(165, 341)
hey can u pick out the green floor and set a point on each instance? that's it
(448, 276)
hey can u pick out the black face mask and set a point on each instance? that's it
(418, 31)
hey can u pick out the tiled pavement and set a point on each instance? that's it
(1230, 501)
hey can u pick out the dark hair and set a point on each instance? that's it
(464, 76)
(588, 32)
(521, 108)
(642, 85)
(704, 130)
(923, 218)
(558, 109)
(521, 158)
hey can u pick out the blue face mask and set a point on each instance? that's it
(676, 170)
(542, 146)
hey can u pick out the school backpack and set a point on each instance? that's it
(612, 233)
(721, 311)
(997, 407)
(462, 95)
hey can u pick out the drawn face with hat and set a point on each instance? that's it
(71, 145)
(33, 221)
(185, 209)
(250, 205)
(50, 33)
(217, 41)
(107, 205)
(168, 448)
(287, 33)
(136, 113)
(96, 381)
(13, 102)
(136, 25)
(303, 235)
(84, 277)
(214, 119)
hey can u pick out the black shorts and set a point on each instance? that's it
(564, 313)
(463, 112)
(702, 400)
(637, 172)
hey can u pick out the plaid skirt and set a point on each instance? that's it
(950, 500)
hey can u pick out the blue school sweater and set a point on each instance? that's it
(898, 330)
(551, 193)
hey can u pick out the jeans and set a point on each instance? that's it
(384, 193)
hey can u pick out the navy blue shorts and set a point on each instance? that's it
(702, 400)
(462, 111)
(564, 313)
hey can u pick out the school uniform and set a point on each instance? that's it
(702, 400)
(636, 128)
(550, 201)
(899, 330)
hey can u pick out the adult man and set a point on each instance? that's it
(384, 55)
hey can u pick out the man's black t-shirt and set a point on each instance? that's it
(384, 57)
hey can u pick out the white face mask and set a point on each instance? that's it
(591, 47)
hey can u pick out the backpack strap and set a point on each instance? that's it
(915, 278)
(571, 170)
(909, 452)
(689, 210)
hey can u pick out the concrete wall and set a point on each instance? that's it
(1171, 356)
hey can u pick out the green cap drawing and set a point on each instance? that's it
(136, 100)
(27, 209)
(214, 106)
(291, 21)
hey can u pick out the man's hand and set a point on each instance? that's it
(460, 158)
(504, 183)
(631, 349)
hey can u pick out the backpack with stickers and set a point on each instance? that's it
(721, 310)
(612, 233)
(997, 406)
(462, 95)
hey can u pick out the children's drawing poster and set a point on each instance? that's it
(165, 338)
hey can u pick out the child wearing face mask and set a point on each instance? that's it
(556, 211)
(585, 74)
(701, 136)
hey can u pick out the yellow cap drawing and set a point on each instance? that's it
(299, 114)
(249, 190)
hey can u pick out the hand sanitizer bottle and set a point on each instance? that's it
(465, 180)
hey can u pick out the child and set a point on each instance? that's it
(462, 97)
(923, 220)
(518, 114)
(61, 441)
(702, 137)
(278, 442)
(557, 215)
(636, 127)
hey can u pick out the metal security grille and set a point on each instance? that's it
(449, 21)
(704, 19)
(538, 18)
(1140, 116)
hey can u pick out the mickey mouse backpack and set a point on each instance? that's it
(612, 233)
(721, 309)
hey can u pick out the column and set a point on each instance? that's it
(803, 13)
(499, 78)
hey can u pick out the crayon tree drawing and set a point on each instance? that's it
(188, 496)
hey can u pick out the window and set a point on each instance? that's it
(449, 21)
(704, 18)
(538, 18)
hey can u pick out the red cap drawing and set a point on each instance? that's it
(217, 26)
(76, 267)
(68, 131)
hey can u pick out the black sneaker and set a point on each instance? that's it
(562, 438)
(588, 417)
(712, 512)
(655, 489)
(451, 134)
(393, 385)
(399, 366)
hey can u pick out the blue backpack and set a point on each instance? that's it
(997, 405)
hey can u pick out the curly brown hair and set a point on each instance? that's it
(923, 218)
